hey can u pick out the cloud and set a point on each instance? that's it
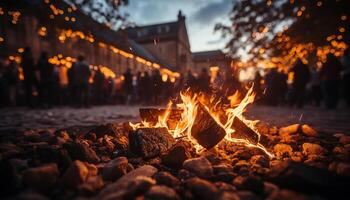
(211, 12)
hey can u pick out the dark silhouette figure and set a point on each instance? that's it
(72, 85)
(147, 88)
(46, 79)
(204, 81)
(157, 86)
(140, 87)
(301, 78)
(82, 74)
(346, 76)
(11, 81)
(283, 87)
(190, 81)
(330, 77)
(98, 86)
(127, 85)
(272, 88)
(257, 85)
(29, 73)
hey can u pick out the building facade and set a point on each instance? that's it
(169, 42)
(64, 32)
(211, 60)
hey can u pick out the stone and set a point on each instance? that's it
(79, 150)
(225, 187)
(123, 182)
(105, 129)
(343, 169)
(250, 183)
(160, 192)
(31, 195)
(288, 195)
(175, 156)
(228, 196)
(283, 150)
(247, 195)
(308, 131)
(41, 178)
(92, 184)
(165, 178)
(199, 166)
(260, 160)
(150, 142)
(76, 174)
(291, 129)
(312, 149)
(344, 139)
(202, 189)
(270, 188)
(115, 168)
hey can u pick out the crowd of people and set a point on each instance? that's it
(41, 84)
(309, 86)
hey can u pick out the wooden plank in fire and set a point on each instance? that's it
(151, 115)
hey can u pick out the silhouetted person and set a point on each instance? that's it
(330, 77)
(140, 87)
(190, 80)
(204, 81)
(72, 85)
(272, 92)
(148, 88)
(82, 74)
(46, 79)
(257, 85)
(127, 85)
(283, 87)
(157, 86)
(346, 76)
(11, 80)
(301, 78)
(30, 80)
(315, 86)
(98, 86)
(231, 84)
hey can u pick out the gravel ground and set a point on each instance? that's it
(326, 120)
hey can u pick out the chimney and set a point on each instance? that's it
(180, 16)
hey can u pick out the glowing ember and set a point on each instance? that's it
(229, 117)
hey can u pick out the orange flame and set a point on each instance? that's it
(223, 116)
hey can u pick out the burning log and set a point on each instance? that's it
(151, 116)
(150, 142)
(206, 130)
(242, 131)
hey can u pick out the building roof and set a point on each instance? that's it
(86, 24)
(155, 31)
(209, 55)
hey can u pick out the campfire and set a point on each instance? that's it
(205, 121)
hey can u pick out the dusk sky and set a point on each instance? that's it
(201, 17)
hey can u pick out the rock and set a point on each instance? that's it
(184, 174)
(41, 178)
(307, 179)
(288, 195)
(202, 189)
(134, 188)
(175, 156)
(105, 129)
(123, 182)
(160, 192)
(92, 184)
(260, 160)
(247, 195)
(343, 169)
(308, 131)
(228, 196)
(150, 142)
(283, 150)
(79, 150)
(225, 187)
(270, 188)
(115, 169)
(344, 139)
(291, 129)
(199, 166)
(10, 175)
(76, 174)
(165, 178)
(312, 149)
(250, 183)
(242, 154)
